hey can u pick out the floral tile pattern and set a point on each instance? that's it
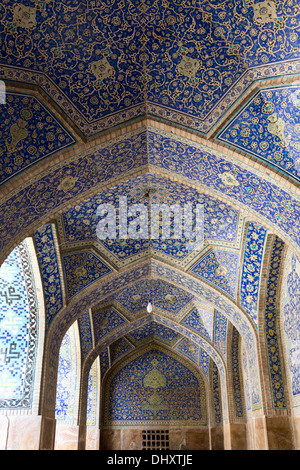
(105, 321)
(47, 255)
(194, 321)
(152, 388)
(219, 268)
(167, 60)
(190, 349)
(269, 127)
(29, 133)
(252, 265)
(81, 269)
(154, 331)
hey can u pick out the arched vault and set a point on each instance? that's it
(128, 105)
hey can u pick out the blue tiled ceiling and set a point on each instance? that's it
(221, 221)
(82, 268)
(268, 127)
(163, 295)
(29, 132)
(110, 58)
(96, 65)
(220, 268)
(153, 331)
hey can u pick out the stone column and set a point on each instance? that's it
(217, 438)
(272, 433)
(279, 432)
(88, 437)
(235, 436)
(296, 431)
(20, 432)
(47, 437)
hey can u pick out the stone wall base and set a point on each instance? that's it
(131, 439)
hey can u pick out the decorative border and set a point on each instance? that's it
(238, 147)
(272, 70)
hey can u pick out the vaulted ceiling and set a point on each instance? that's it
(196, 102)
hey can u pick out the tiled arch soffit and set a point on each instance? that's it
(283, 72)
(32, 216)
(196, 338)
(140, 350)
(82, 144)
(140, 271)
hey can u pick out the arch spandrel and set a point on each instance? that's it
(211, 172)
(198, 100)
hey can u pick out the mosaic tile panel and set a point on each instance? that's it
(190, 349)
(81, 269)
(194, 321)
(97, 76)
(65, 408)
(67, 181)
(119, 348)
(252, 265)
(248, 189)
(268, 127)
(18, 330)
(163, 295)
(220, 334)
(217, 397)
(154, 331)
(48, 262)
(93, 395)
(221, 222)
(220, 303)
(203, 66)
(86, 334)
(204, 361)
(105, 321)
(271, 320)
(291, 325)
(236, 374)
(104, 362)
(29, 133)
(154, 388)
(172, 56)
(220, 269)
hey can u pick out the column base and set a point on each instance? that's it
(20, 432)
(235, 436)
(66, 437)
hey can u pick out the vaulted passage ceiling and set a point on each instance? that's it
(161, 102)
